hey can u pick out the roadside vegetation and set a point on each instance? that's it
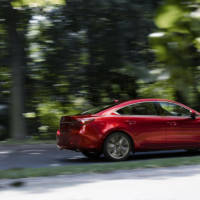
(60, 57)
(98, 168)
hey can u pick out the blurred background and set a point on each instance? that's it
(61, 57)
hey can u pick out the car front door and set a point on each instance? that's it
(181, 130)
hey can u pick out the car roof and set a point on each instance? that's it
(125, 103)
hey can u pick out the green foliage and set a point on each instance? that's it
(36, 3)
(78, 54)
(178, 46)
(159, 89)
(168, 15)
(75, 54)
(49, 114)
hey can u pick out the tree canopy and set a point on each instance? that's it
(177, 46)
(62, 57)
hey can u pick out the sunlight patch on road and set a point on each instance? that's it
(75, 157)
(35, 153)
(55, 165)
(165, 188)
(5, 152)
(33, 150)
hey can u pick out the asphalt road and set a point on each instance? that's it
(46, 155)
(172, 183)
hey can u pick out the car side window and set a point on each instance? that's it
(146, 108)
(171, 109)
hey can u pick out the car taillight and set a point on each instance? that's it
(86, 121)
(58, 132)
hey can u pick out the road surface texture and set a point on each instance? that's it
(171, 183)
(47, 155)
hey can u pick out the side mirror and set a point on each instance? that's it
(193, 115)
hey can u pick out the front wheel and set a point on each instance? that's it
(117, 146)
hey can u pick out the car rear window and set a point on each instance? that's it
(146, 108)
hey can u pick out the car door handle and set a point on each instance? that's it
(171, 123)
(130, 122)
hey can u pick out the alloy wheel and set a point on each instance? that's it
(117, 146)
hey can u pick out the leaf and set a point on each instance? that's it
(168, 15)
(36, 3)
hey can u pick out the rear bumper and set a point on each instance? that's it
(77, 141)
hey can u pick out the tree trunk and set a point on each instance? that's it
(16, 45)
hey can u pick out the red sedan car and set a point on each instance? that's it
(131, 126)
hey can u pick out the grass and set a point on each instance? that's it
(98, 168)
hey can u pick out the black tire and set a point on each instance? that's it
(192, 150)
(114, 149)
(91, 155)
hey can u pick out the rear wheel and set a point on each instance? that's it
(90, 154)
(117, 146)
